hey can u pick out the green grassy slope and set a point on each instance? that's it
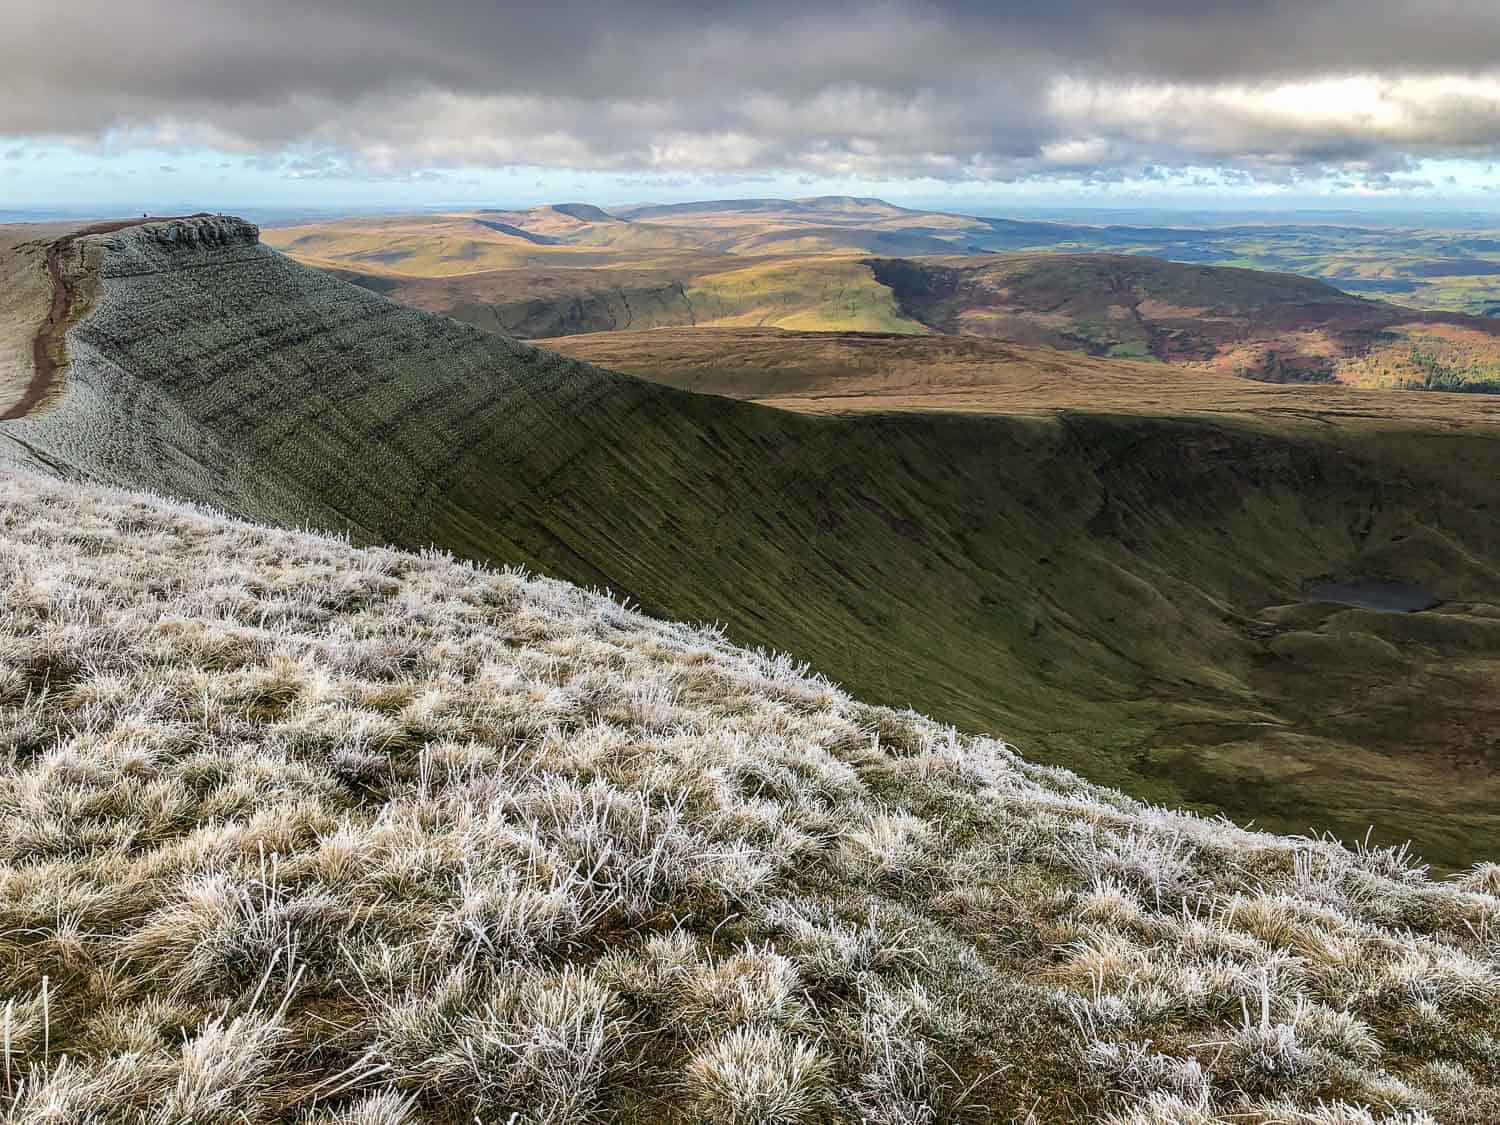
(1094, 586)
(811, 293)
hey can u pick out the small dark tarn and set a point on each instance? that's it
(1375, 593)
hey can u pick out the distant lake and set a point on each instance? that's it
(1375, 593)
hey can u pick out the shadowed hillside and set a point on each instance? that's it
(1271, 327)
(1120, 593)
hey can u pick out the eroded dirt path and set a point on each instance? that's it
(49, 344)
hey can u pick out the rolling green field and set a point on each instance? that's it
(1441, 270)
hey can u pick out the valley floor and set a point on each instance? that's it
(842, 372)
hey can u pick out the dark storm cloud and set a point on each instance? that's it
(949, 88)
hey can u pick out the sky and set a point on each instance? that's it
(975, 105)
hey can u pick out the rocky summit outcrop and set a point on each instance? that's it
(211, 232)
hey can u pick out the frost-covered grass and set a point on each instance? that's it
(291, 831)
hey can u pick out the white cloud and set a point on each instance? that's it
(953, 90)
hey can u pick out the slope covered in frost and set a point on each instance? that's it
(294, 831)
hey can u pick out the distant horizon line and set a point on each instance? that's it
(1036, 211)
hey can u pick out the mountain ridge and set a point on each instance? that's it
(1091, 583)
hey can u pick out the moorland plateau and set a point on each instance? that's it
(847, 264)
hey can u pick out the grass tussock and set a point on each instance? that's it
(293, 832)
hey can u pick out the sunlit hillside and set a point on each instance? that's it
(852, 265)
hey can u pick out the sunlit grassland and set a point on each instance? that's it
(805, 294)
(1421, 268)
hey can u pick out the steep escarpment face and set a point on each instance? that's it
(1123, 594)
(51, 274)
(211, 366)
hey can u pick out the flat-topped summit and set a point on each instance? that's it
(203, 233)
(196, 230)
(50, 274)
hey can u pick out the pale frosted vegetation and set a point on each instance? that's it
(294, 832)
